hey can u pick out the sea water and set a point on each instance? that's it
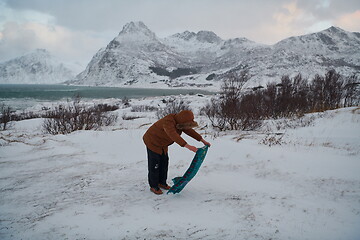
(22, 96)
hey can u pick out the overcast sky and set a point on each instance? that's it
(74, 30)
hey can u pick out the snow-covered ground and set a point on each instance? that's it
(294, 179)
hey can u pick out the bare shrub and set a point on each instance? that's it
(296, 122)
(231, 110)
(125, 101)
(129, 117)
(351, 93)
(74, 116)
(251, 111)
(106, 107)
(211, 110)
(26, 115)
(5, 116)
(327, 91)
(236, 109)
(272, 140)
(172, 107)
(144, 108)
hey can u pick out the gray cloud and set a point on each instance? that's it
(97, 15)
(91, 22)
(170, 15)
(328, 9)
(16, 41)
(77, 47)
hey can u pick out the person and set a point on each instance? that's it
(162, 134)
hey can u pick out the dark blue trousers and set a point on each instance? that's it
(158, 168)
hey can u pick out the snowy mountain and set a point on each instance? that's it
(316, 53)
(38, 67)
(128, 58)
(138, 57)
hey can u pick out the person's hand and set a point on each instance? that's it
(205, 142)
(191, 148)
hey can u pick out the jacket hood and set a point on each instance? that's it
(188, 125)
(185, 116)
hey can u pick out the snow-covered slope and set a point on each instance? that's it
(38, 67)
(137, 57)
(93, 184)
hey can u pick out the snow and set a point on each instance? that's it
(37, 67)
(93, 184)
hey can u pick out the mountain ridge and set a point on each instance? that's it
(137, 57)
(188, 59)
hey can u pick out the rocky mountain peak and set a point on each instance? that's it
(208, 36)
(239, 41)
(330, 37)
(187, 35)
(201, 36)
(334, 29)
(339, 35)
(42, 52)
(35, 56)
(334, 32)
(136, 28)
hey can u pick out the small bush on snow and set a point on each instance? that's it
(5, 116)
(272, 139)
(144, 108)
(65, 119)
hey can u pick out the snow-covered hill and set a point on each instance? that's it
(294, 179)
(137, 57)
(38, 67)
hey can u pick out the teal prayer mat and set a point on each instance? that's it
(180, 182)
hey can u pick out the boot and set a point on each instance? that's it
(156, 191)
(164, 186)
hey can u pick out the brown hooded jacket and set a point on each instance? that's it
(167, 130)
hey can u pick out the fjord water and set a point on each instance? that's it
(57, 92)
(20, 96)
